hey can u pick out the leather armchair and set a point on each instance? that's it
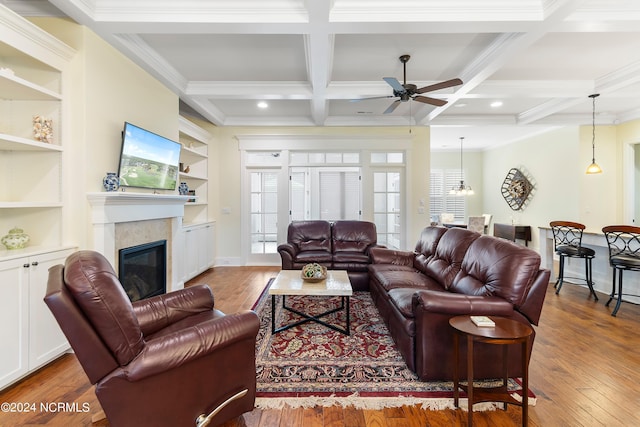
(161, 361)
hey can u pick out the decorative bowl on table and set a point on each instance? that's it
(313, 272)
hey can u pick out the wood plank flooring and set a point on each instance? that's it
(585, 371)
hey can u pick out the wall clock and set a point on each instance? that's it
(516, 189)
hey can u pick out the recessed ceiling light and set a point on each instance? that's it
(262, 104)
(496, 104)
(459, 104)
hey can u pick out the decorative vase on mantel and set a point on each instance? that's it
(183, 189)
(111, 182)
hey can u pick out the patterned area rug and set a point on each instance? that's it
(312, 365)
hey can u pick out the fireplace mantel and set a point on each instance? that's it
(111, 208)
(119, 206)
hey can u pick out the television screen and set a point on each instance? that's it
(148, 160)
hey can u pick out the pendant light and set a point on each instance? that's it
(593, 167)
(462, 189)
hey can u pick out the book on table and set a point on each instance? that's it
(482, 321)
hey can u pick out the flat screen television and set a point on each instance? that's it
(148, 160)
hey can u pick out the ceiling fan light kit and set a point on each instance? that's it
(410, 92)
(593, 168)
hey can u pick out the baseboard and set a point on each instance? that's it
(228, 261)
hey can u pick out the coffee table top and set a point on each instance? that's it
(289, 282)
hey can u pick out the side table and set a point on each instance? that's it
(505, 332)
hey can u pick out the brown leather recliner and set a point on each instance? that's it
(161, 361)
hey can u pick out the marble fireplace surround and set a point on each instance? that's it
(122, 219)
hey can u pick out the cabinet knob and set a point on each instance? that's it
(25, 265)
(34, 263)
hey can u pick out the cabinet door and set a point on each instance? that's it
(203, 244)
(210, 231)
(191, 253)
(14, 319)
(46, 340)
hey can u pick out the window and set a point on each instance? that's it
(264, 212)
(387, 208)
(328, 193)
(442, 180)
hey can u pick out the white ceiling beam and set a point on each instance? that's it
(319, 48)
(504, 48)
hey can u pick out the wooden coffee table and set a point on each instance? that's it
(289, 282)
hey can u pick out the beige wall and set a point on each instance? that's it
(105, 90)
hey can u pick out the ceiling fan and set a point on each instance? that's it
(407, 91)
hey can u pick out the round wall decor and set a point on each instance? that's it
(516, 189)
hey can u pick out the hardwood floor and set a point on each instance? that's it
(585, 371)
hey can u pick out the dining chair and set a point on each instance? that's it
(624, 254)
(567, 243)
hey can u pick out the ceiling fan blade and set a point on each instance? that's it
(373, 97)
(441, 85)
(395, 84)
(392, 107)
(429, 100)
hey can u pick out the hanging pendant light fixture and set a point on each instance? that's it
(462, 189)
(593, 167)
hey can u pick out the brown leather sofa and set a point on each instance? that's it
(455, 272)
(162, 361)
(341, 245)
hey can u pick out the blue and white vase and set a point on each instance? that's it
(183, 189)
(111, 182)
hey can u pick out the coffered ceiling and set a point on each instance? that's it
(309, 58)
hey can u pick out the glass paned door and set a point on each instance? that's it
(264, 212)
(387, 208)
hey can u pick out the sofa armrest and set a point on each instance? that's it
(288, 252)
(181, 347)
(161, 311)
(459, 304)
(391, 256)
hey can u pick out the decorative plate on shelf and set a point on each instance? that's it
(516, 189)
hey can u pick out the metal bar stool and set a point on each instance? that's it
(624, 254)
(567, 243)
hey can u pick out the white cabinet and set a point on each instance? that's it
(194, 169)
(30, 335)
(199, 250)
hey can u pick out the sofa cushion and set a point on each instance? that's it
(401, 277)
(426, 246)
(310, 235)
(402, 298)
(353, 236)
(497, 268)
(313, 256)
(450, 251)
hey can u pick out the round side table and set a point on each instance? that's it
(505, 332)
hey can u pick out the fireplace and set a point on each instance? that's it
(142, 269)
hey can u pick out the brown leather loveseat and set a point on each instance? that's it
(341, 245)
(455, 272)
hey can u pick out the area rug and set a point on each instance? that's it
(312, 365)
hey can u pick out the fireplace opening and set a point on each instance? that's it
(142, 270)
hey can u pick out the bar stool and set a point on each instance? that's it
(567, 243)
(624, 254)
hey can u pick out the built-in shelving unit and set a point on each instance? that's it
(32, 78)
(194, 158)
